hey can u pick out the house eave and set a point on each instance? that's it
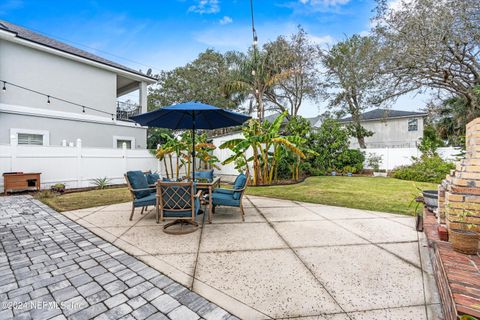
(13, 37)
(420, 115)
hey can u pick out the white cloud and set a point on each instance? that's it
(398, 4)
(205, 7)
(225, 20)
(324, 3)
(322, 41)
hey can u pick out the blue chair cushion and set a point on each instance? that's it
(240, 182)
(225, 191)
(204, 175)
(150, 200)
(152, 178)
(138, 181)
(222, 199)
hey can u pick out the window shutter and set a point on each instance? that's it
(30, 139)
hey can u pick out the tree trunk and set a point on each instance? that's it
(361, 142)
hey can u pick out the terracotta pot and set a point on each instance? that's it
(464, 241)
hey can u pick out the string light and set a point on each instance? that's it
(49, 97)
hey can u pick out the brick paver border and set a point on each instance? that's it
(53, 268)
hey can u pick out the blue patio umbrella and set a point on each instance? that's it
(191, 115)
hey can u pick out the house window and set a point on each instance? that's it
(413, 125)
(30, 137)
(127, 142)
(119, 141)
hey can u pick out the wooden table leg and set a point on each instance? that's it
(210, 201)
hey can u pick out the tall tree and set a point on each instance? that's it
(201, 80)
(432, 43)
(298, 57)
(352, 69)
(256, 74)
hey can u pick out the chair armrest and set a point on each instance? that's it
(134, 190)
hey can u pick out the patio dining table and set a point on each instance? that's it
(210, 186)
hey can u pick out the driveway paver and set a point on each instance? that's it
(53, 268)
(288, 259)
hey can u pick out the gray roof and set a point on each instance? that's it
(31, 36)
(379, 114)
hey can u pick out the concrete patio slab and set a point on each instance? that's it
(380, 230)
(153, 240)
(274, 282)
(240, 236)
(334, 213)
(315, 233)
(365, 277)
(292, 213)
(288, 259)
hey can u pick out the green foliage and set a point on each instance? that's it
(430, 142)
(45, 194)
(329, 142)
(101, 183)
(201, 80)
(58, 187)
(425, 169)
(351, 161)
(156, 136)
(374, 161)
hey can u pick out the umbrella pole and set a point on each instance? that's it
(193, 148)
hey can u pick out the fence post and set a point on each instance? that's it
(124, 154)
(13, 151)
(79, 163)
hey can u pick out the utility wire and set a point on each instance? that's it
(50, 97)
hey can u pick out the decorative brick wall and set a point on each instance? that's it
(462, 187)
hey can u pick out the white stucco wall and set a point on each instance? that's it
(56, 76)
(392, 133)
(92, 134)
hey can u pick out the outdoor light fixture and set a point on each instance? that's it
(83, 110)
(4, 87)
(112, 116)
(48, 99)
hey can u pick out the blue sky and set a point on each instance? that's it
(163, 34)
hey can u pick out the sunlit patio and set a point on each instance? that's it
(288, 259)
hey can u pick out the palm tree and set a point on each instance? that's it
(257, 74)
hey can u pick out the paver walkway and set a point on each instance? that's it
(287, 260)
(53, 268)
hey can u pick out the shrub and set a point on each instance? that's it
(351, 161)
(58, 187)
(374, 161)
(425, 169)
(101, 183)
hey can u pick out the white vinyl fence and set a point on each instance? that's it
(76, 166)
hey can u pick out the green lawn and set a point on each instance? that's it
(370, 193)
(378, 194)
(88, 199)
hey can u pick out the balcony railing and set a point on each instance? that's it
(126, 109)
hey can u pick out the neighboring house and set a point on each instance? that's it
(391, 128)
(92, 83)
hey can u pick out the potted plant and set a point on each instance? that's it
(464, 239)
(374, 161)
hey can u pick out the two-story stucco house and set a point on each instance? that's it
(53, 94)
(391, 128)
